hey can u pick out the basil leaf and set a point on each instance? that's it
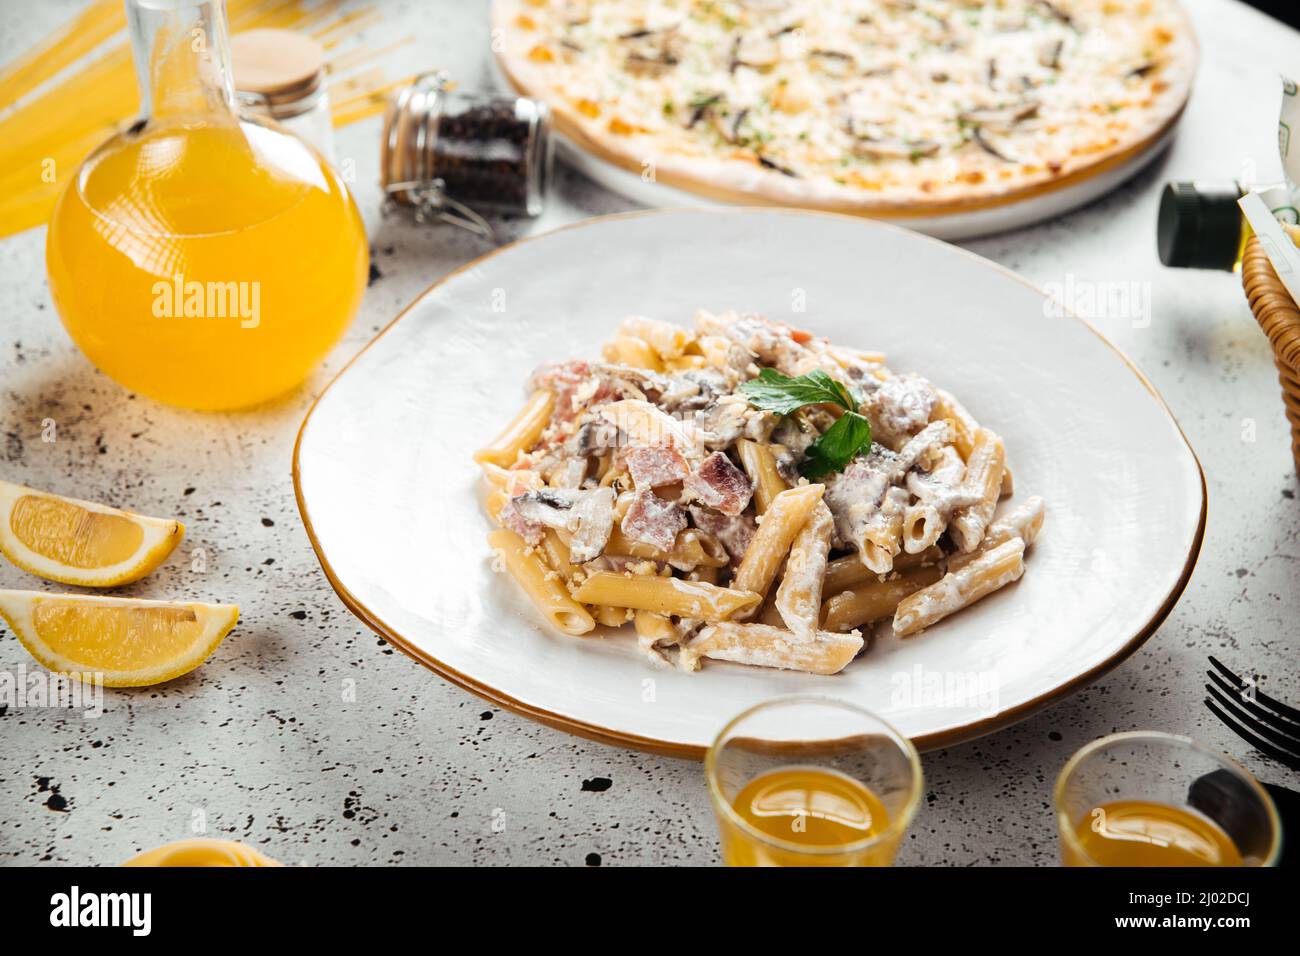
(840, 444)
(775, 392)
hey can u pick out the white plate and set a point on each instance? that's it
(955, 226)
(390, 496)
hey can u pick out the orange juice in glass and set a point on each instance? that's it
(809, 781)
(1155, 799)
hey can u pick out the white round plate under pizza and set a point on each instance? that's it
(956, 117)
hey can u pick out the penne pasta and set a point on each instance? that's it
(668, 341)
(557, 555)
(684, 363)
(764, 646)
(1024, 521)
(707, 574)
(544, 587)
(770, 544)
(610, 616)
(938, 493)
(961, 588)
(522, 433)
(654, 628)
(799, 598)
(768, 614)
(495, 475)
(875, 600)
(965, 427)
(849, 358)
(883, 533)
(922, 525)
(661, 487)
(693, 549)
(493, 502)
(759, 464)
(665, 595)
(849, 571)
(632, 352)
(983, 482)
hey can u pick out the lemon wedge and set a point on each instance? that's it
(80, 542)
(202, 851)
(122, 641)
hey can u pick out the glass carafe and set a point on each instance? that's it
(203, 258)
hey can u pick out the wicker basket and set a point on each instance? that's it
(1280, 319)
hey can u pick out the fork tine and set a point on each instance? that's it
(1290, 713)
(1269, 719)
(1241, 710)
(1263, 746)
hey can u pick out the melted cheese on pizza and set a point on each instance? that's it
(894, 100)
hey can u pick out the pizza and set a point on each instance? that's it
(871, 106)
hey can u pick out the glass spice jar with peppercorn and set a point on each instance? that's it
(447, 154)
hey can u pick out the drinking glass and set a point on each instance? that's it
(1169, 771)
(818, 735)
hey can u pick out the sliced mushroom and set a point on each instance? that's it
(1001, 118)
(1050, 56)
(702, 107)
(735, 128)
(1057, 13)
(652, 52)
(725, 123)
(776, 167)
(592, 437)
(587, 515)
(722, 423)
(894, 148)
(758, 51)
(834, 62)
(982, 141)
(638, 64)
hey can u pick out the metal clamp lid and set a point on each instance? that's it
(404, 166)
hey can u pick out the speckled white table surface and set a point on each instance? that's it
(258, 745)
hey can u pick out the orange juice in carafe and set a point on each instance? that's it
(203, 259)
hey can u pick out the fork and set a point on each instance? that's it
(1268, 725)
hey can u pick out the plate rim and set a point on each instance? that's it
(925, 742)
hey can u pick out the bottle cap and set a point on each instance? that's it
(276, 67)
(1199, 226)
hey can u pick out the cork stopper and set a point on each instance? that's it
(280, 67)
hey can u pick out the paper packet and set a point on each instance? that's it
(1273, 212)
(1275, 240)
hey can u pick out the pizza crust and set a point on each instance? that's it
(742, 180)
